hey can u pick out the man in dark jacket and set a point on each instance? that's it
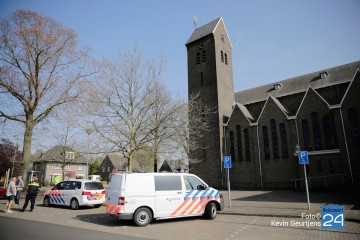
(33, 189)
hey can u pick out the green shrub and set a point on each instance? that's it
(47, 182)
(104, 182)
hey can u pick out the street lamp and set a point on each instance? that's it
(88, 131)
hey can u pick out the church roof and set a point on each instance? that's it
(204, 30)
(315, 80)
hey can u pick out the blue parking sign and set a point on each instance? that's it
(227, 162)
(303, 157)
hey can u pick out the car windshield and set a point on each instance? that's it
(93, 186)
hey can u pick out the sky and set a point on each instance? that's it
(272, 40)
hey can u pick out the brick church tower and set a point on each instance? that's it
(210, 75)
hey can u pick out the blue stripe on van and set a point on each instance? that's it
(211, 193)
(204, 193)
(187, 195)
(217, 194)
(194, 196)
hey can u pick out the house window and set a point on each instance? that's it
(239, 145)
(329, 133)
(354, 125)
(80, 167)
(55, 166)
(232, 145)
(316, 130)
(69, 155)
(67, 166)
(247, 144)
(306, 135)
(103, 169)
(266, 142)
(108, 169)
(284, 146)
(275, 144)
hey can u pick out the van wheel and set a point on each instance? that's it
(210, 211)
(142, 217)
(46, 202)
(74, 204)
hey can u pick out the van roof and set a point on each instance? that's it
(154, 174)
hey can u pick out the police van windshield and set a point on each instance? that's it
(93, 186)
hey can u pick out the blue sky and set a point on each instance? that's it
(272, 40)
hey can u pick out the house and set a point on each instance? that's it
(173, 166)
(115, 163)
(48, 165)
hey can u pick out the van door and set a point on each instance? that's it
(115, 191)
(169, 195)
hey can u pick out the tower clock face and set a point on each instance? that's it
(222, 37)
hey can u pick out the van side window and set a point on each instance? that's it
(167, 183)
(60, 186)
(192, 183)
(68, 185)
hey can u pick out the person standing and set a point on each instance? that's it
(19, 188)
(33, 189)
(10, 194)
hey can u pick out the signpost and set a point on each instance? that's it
(304, 159)
(227, 165)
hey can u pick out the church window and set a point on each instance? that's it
(274, 139)
(198, 59)
(222, 56)
(306, 135)
(225, 58)
(203, 56)
(232, 146)
(239, 145)
(316, 130)
(354, 125)
(247, 144)
(284, 146)
(266, 142)
(329, 133)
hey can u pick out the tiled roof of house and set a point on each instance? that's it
(56, 154)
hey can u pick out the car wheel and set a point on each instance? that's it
(97, 205)
(142, 217)
(210, 211)
(46, 202)
(74, 204)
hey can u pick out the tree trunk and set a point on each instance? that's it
(26, 154)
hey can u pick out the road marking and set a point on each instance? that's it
(241, 229)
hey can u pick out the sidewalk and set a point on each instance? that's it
(288, 204)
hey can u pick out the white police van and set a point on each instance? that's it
(142, 197)
(75, 193)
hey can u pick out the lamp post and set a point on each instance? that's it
(88, 131)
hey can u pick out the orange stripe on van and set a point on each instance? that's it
(197, 205)
(190, 205)
(117, 210)
(204, 205)
(180, 207)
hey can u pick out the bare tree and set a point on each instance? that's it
(193, 125)
(123, 103)
(41, 68)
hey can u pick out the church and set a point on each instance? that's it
(263, 128)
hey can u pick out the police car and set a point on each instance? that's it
(75, 193)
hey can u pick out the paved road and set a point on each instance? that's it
(225, 227)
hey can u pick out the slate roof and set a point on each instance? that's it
(335, 75)
(120, 162)
(55, 155)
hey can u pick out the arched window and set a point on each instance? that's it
(330, 139)
(232, 146)
(226, 59)
(247, 144)
(198, 58)
(239, 145)
(266, 142)
(316, 129)
(222, 56)
(284, 146)
(354, 125)
(203, 56)
(274, 139)
(306, 135)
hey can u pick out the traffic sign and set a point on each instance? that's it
(227, 162)
(303, 157)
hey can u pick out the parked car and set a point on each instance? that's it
(142, 197)
(2, 191)
(75, 193)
